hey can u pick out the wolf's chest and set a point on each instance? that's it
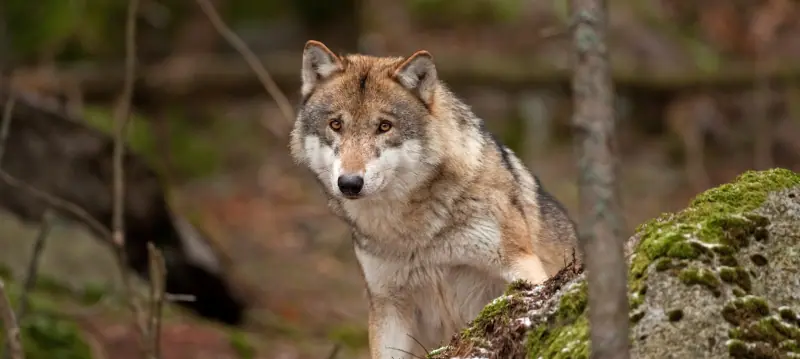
(386, 223)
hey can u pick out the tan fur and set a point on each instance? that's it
(447, 218)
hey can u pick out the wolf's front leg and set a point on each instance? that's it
(390, 335)
(390, 307)
(528, 267)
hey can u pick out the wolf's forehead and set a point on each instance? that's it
(364, 86)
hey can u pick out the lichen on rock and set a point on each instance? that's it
(717, 279)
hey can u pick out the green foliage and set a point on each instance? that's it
(46, 27)
(194, 150)
(46, 334)
(240, 344)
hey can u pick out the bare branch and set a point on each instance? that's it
(427, 352)
(255, 64)
(33, 265)
(10, 325)
(6, 125)
(158, 275)
(121, 118)
(335, 351)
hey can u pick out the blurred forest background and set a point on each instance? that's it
(706, 90)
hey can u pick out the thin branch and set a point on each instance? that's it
(57, 203)
(33, 265)
(255, 64)
(407, 352)
(427, 352)
(121, 118)
(31, 272)
(158, 274)
(10, 325)
(179, 297)
(8, 110)
(335, 351)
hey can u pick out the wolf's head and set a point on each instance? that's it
(364, 124)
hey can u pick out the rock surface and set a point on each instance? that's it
(716, 280)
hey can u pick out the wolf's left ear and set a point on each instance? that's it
(418, 74)
(319, 63)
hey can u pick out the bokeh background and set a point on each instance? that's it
(706, 90)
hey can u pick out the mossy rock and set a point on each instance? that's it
(715, 280)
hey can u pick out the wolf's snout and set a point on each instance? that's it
(350, 185)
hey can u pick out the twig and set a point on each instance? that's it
(335, 351)
(10, 325)
(4, 128)
(33, 265)
(158, 273)
(121, 118)
(407, 352)
(252, 60)
(179, 297)
(57, 203)
(31, 273)
(427, 352)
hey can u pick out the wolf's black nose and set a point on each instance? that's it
(350, 185)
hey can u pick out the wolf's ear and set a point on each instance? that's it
(319, 63)
(418, 74)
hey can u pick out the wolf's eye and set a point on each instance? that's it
(335, 125)
(384, 127)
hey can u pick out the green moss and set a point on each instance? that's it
(767, 330)
(562, 342)
(240, 344)
(488, 317)
(738, 276)
(789, 346)
(568, 335)
(573, 303)
(437, 351)
(789, 315)
(737, 348)
(687, 250)
(715, 218)
(517, 286)
(742, 310)
(703, 277)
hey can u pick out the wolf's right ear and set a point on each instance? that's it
(319, 63)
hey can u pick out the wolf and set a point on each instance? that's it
(443, 216)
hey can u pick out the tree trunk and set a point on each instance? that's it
(599, 214)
